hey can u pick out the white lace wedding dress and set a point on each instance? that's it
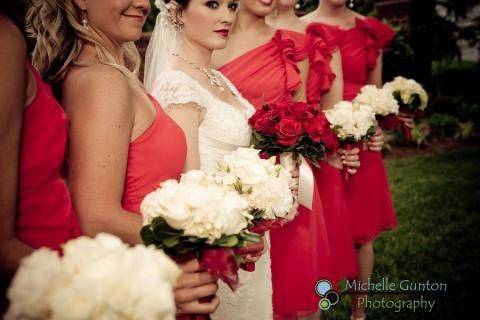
(223, 129)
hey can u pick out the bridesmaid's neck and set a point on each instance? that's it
(247, 22)
(331, 11)
(89, 55)
(283, 15)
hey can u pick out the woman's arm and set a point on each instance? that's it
(345, 157)
(375, 78)
(13, 92)
(375, 75)
(301, 93)
(99, 102)
(335, 95)
(188, 117)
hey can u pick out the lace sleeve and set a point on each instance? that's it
(174, 88)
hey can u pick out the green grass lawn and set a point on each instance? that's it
(437, 199)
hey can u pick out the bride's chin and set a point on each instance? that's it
(217, 45)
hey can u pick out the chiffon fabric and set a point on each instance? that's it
(367, 193)
(319, 81)
(300, 251)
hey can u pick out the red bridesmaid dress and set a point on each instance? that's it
(299, 251)
(328, 178)
(158, 154)
(45, 213)
(368, 197)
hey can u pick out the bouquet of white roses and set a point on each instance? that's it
(352, 122)
(412, 99)
(196, 216)
(262, 183)
(380, 99)
(100, 278)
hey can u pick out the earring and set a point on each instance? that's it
(298, 5)
(351, 4)
(84, 20)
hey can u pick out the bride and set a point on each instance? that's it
(212, 114)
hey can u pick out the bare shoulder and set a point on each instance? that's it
(12, 41)
(357, 15)
(98, 87)
(311, 18)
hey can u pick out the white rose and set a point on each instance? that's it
(381, 100)
(168, 201)
(73, 302)
(37, 276)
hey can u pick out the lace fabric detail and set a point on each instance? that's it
(224, 129)
(253, 300)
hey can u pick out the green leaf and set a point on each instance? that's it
(229, 242)
(147, 235)
(171, 242)
(252, 237)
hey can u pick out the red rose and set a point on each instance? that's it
(316, 127)
(301, 110)
(288, 131)
(263, 121)
(330, 140)
(281, 109)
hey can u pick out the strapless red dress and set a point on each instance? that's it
(368, 197)
(158, 154)
(45, 213)
(299, 251)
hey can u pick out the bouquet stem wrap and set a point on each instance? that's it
(305, 183)
(220, 262)
(349, 146)
(391, 122)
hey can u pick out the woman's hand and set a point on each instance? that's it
(376, 141)
(193, 285)
(407, 119)
(350, 159)
(252, 252)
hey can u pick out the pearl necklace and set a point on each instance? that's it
(211, 75)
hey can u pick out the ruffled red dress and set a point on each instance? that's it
(299, 251)
(328, 178)
(158, 154)
(368, 197)
(45, 214)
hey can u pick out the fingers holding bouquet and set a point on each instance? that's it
(376, 141)
(407, 118)
(195, 291)
(396, 104)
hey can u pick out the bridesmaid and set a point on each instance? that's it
(361, 42)
(324, 87)
(262, 63)
(121, 142)
(36, 210)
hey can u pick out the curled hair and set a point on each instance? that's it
(55, 26)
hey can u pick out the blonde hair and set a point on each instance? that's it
(59, 35)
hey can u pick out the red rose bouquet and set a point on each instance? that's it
(294, 127)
